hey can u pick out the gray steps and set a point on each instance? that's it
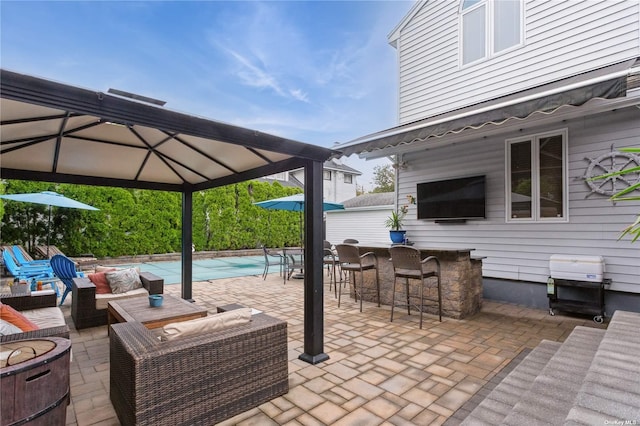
(553, 392)
(591, 378)
(611, 389)
(499, 403)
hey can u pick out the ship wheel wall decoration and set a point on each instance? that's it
(611, 162)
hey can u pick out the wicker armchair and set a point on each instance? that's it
(83, 302)
(22, 302)
(199, 379)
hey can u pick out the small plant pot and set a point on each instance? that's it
(155, 300)
(397, 237)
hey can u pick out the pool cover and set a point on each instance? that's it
(205, 269)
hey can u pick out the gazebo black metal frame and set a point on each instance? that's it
(45, 126)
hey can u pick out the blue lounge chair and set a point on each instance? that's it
(22, 260)
(25, 272)
(65, 269)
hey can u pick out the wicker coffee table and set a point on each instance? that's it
(137, 309)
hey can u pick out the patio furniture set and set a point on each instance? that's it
(421, 277)
(169, 365)
(25, 269)
(288, 260)
(408, 264)
(450, 280)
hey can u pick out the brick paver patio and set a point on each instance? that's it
(379, 373)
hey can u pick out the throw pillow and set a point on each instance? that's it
(6, 328)
(207, 324)
(123, 280)
(99, 279)
(9, 314)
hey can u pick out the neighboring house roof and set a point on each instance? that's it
(609, 83)
(370, 200)
(335, 164)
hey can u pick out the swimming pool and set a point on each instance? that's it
(204, 269)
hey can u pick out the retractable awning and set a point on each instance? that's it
(605, 83)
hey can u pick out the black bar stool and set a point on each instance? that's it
(407, 264)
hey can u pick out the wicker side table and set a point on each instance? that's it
(35, 383)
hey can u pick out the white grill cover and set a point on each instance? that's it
(576, 267)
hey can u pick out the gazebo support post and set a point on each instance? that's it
(187, 244)
(313, 265)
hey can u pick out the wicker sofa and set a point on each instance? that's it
(199, 379)
(23, 302)
(87, 311)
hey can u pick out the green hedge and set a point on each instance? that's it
(134, 222)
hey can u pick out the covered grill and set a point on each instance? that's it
(582, 281)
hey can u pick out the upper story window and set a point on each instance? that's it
(326, 174)
(536, 188)
(348, 178)
(488, 27)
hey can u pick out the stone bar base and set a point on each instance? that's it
(461, 281)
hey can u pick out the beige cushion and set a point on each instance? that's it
(207, 324)
(103, 299)
(45, 317)
(123, 280)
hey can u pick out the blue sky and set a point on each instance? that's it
(319, 72)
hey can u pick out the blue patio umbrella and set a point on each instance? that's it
(295, 203)
(50, 199)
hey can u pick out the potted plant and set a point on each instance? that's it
(394, 222)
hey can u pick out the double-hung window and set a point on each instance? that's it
(488, 27)
(536, 181)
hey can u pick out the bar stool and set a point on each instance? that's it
(407, 264)
(351, 261)
(329, 258)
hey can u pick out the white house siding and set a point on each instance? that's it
(520, 251)
(334, 190)
(340, 190)
(363, 224)
(562, 39)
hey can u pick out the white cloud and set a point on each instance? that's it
(254, 76)
(299, 95)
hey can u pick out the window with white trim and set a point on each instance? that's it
(348, 178)
(536, 181)
(326, 174)
(488, 27)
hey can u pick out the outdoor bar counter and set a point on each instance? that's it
(461, 279)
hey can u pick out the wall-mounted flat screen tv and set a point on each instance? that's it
(460, 198)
